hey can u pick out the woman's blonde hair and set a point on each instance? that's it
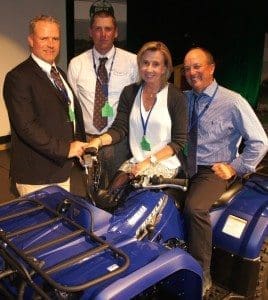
(158, 46)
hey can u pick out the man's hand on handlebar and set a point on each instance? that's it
(77, 149)
(95, 143)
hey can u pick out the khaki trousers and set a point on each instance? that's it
(24, 189)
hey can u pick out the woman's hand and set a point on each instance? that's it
(136, 169)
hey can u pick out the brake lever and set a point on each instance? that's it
(88, 157)
(158, 182)
(86, 162)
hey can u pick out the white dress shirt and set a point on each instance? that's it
(123, 70)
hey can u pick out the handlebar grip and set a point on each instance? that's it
(91, 150)
(161, 180)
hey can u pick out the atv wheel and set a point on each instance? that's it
(262, 284)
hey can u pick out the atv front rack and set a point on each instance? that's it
(39, 243)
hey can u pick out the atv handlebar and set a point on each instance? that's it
(88, 157)
(92, 151)
(159, 182)
(175, 181)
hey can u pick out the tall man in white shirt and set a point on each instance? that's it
(121, 69)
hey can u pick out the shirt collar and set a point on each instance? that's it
(46, 67)
(209, 90)
(109, 54)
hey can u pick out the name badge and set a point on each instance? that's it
(71, 114)
(107, 110)
(145, 145)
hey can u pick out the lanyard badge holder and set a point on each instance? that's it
(107, 110)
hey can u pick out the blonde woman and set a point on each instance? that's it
(153, 114)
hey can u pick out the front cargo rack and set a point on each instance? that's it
(40, 243)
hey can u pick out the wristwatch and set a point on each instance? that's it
(153, 160)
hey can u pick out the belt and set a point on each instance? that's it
(204, 166)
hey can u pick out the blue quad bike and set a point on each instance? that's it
(55, 245)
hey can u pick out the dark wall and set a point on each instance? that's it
(147, 21)
(233, 31)
(182, 24)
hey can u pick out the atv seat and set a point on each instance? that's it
(180, 196)
(235, 187)
(237, 184)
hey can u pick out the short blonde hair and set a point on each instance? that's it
(158, 46)
(42, 18)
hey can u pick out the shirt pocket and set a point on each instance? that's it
(119, 79)
(218, 128)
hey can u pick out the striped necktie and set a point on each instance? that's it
(58, 82)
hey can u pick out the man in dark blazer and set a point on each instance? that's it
(47, 129)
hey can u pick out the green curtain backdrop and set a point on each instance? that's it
(244, 74)
(243, 45)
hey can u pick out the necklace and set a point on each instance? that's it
(149, 97)
(148, 100)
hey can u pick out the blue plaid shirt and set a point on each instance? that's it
(227, 120)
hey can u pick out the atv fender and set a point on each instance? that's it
(243, 226)
(187, 275)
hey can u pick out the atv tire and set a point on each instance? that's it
(262, 284)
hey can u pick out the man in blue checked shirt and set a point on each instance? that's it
(218, 121)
